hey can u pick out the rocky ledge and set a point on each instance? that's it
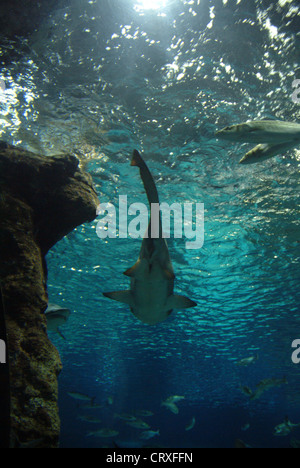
(41, 200)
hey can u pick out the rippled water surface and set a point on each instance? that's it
(101, 78)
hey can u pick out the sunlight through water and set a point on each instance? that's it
(150, 4)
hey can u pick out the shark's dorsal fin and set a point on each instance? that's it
(179, 302)
(120, 296)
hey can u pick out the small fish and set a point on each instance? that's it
(125, 417)
(175, 398)
(91, 406)
(169, 403)
(56, 316)
(245, 427)
(170, 406)
(294, 443)
(240, 444)
(89, 419)
(285, 428)
(191, 424)
(138, 424)
(246, 390)
(247, 361)
(144, 413)
(80, 396)
(110, 400)
(146, 435)
(105, 432)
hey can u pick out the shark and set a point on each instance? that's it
(56, 316)
(151, 295)
(274, 137)
(247, 361)
(191, 424)
(284, 428)
(262, 386)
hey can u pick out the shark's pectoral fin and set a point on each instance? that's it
(131, 271)
(169, 273)
(120, 296)
(180, 302)
(137, 269)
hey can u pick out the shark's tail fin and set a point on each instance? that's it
(136, 159)
(146, 177)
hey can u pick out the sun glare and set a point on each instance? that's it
(150, 4)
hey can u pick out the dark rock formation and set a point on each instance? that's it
(41, 200)
(23, 18)
(4, 383)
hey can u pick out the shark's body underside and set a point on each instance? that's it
(151, 297)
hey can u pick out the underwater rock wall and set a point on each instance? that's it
(41, 200)
(22, 18)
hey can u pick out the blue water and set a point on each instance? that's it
(101, 78)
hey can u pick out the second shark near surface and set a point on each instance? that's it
(274, 137)
(151, 298)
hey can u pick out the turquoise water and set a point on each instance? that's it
(101, 78)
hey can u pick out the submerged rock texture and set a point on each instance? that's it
(22, 18)
(41, 200)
